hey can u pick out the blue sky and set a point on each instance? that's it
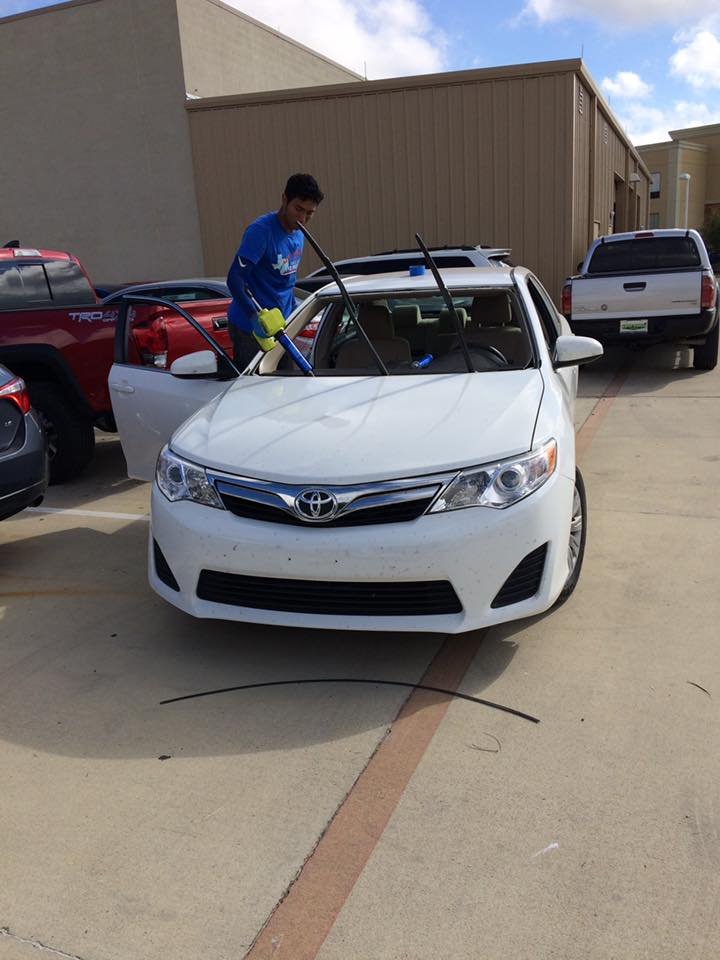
(657, 61)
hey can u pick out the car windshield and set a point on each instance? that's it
(417, 334)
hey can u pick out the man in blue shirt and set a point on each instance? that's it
(267, 261)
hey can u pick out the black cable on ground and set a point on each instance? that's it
(392, 683)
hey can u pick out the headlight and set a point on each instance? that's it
(500, 484)
(180, 480)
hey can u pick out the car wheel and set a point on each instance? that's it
(71, 439)
(706, 356)
(576, 542)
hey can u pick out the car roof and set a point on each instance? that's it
(220, 285)
(646, 234)
(32, 253)
(191, 281)
(487, 255)
(456, 278)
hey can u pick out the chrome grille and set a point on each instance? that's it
(395, 501)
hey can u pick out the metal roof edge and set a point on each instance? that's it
(689, 132)
(387, 84)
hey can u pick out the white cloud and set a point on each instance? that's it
(635, 13)
(698, 62)
(389, 38)
(645, 124)
(626, 85)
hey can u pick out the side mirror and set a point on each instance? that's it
(579, 267)
(202, 363)
(571, 351)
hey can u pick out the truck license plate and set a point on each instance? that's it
(633, 326)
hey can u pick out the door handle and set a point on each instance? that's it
(122, 388)
(219, 323)
(634, 286)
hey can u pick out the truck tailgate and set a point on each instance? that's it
(636, 295)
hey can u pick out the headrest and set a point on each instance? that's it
(376, 321)
(406, 317)
(491, 311)
(447, 322)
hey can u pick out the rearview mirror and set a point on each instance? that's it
(202, 363)
(571, 351)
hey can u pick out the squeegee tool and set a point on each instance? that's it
(269, 330)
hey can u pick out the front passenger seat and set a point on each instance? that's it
(377, 324)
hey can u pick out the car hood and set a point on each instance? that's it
(358, 429)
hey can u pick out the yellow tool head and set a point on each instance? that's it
(272, 321)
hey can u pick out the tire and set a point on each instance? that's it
(706, 356)
(578, 535)
(71, 439)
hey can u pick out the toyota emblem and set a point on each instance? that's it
(316, 505)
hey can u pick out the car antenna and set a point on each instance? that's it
(448, 301)
(352, 309)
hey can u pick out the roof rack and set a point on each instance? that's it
(446, 246)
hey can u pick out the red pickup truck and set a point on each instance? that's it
(58, 335)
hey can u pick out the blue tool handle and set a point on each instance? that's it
(299, 359)
(424, 362)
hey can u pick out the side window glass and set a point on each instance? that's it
(68, 283)
(546, 311)
(23, 285)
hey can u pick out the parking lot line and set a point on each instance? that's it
(101, 514)
(302, 920)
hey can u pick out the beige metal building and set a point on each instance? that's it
(96, 154)
(685, 188)
(526, 156)
(144, 136)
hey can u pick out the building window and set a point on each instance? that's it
(581, 100)
(654, 186)
(654, 221)
(605, 133)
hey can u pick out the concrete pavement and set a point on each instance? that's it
(594, 834)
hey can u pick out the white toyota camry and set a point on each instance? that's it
(424, 480)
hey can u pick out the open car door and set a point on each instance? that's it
(149, 402)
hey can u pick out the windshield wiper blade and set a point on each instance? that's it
(448, 301)
(351, 308)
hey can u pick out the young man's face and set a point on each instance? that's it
(296, 211)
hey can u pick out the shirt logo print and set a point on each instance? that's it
(283, 265)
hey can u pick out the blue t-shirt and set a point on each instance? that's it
(267, 264)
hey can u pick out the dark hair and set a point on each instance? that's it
(302, 186)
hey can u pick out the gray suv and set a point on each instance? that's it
(393, 260)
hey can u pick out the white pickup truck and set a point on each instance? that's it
(655, 286)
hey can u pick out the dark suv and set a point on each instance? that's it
(393, 260)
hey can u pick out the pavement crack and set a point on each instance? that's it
(38, 945)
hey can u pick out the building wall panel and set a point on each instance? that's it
(96, 155)
(460, 160)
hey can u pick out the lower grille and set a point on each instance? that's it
(524, 581)
(397, 512)
(424, 598)
(162, 568)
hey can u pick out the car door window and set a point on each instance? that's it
(23, 285)
(68, 283)
(546, 311)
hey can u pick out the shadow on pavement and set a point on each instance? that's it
(89, 653)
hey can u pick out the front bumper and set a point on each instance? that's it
(660, 329)
(474, 550)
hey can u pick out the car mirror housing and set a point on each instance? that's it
(571, 351)
(202, 363)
